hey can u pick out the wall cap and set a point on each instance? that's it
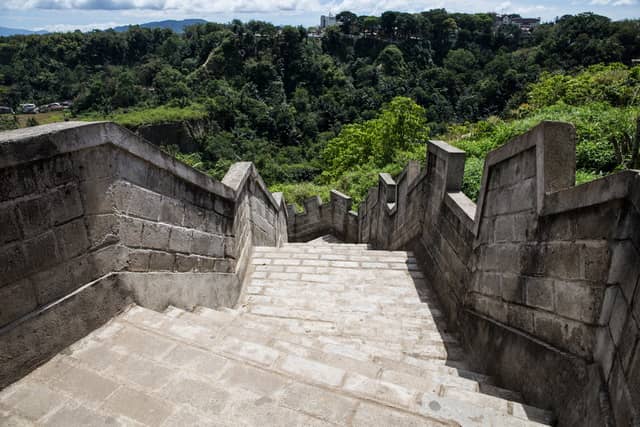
(237, 176)
(602, 190)
(39, 142)
(463, 207)
(387, 179)
(336, 193)
(443, 149)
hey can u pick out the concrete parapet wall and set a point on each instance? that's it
(318, 219)
(539, 272)
(83, 201)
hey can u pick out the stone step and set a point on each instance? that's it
(342, 246)
(325, 243)
(354, 269)
(349, 291)
(327, 252)
(360, 312)
(336, 353)
(412, 327)
(393, 295)
(380, 352)
(209, 317)
(419, 317)
(338, 251)
(128, 375)
(338, 260)
(269, 327)
(463, 409)
(368, 306)
(345, 289)
(389, 296)
(394, 339)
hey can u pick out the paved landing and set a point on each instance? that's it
(326, 334)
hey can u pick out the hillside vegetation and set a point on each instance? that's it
(603, 102)
(313, 113)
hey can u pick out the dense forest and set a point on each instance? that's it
(333, 109)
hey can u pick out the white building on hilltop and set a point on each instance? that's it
(327, 21)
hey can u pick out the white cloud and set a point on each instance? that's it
(201, 6)
(379, 6)
(86, 4)
(613, 2)
(61, 28)
(276, 9)
(246, 6)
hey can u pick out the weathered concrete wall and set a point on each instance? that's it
(617, 338)
(82, 201)
(44, 332)
(260, 217)
(527, 278)
(384, 222)
(540, 278)
(334, 217)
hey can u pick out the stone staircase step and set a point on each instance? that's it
(222, 314)
(348, 319)
(324, 375)
(334, 253)
(256, 329)
(387, 337)
(324, 334)
(341, 356)
(373, 305)
(417, 312)
(209, 318)
(258, 295)
(209, 389)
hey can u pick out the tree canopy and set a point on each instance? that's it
(285, 98)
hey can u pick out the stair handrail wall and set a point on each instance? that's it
(93, 218)
(540, 277)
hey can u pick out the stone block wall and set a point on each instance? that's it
(318, 219)
(402, 219)
(84, 204)
(445, 240)
(617, 347)
(260, 217)
(540, 277)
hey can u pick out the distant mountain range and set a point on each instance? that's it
(176, 26)
(4, 32)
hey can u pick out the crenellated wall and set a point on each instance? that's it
(334, 217)
(540, 277)
(93, 218)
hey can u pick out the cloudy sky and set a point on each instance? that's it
(87, 14)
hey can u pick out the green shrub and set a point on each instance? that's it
(472, 177)
(399, 127)
(614, 84)
(604, 137)
(8, 122)
(162, 114)
(583, 176)
(32, 122)
(297, 193)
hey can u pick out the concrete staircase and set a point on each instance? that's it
(325, 334)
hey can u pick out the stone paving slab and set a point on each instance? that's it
(352, 339)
